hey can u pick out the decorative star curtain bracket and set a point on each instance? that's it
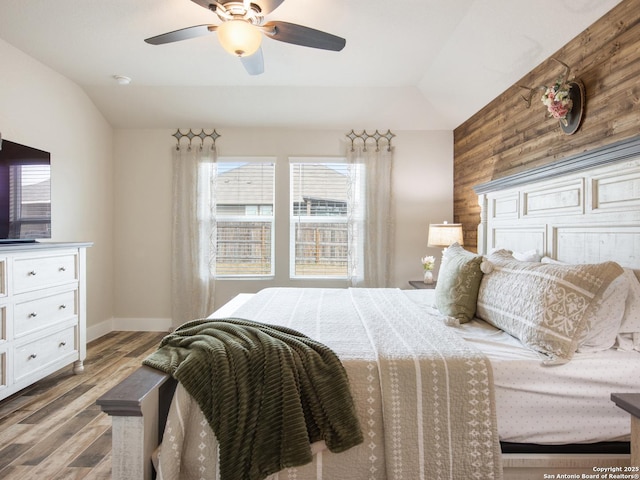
(191, 135)
(365, 137)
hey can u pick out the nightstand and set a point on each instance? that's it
(630, 402)
(419, 284)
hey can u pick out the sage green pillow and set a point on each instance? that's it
(458, 283)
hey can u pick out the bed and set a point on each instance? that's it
(583, 212)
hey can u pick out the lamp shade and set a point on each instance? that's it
(444, 234)
(239, 37)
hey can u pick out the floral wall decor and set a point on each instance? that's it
(564, 100)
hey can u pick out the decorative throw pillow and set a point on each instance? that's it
(458, 283)
(608, 312)
(545, 306)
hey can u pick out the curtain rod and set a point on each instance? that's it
(364, 136)
(191, 135)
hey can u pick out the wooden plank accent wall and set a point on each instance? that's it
(506, 138)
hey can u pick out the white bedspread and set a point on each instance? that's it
(423, 395)
(551, 404)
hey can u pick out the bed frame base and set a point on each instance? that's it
(518, 466)
(139, 406)
(587, 212)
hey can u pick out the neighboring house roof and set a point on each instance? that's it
(326, 184)
(231, 185)
(320, 183)
(37, 192)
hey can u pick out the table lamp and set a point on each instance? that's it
(445, 234)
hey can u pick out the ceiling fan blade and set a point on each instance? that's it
(305, 36)
(182, 34)
(205, 4)
(254, 64)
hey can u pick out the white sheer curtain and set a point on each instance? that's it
(194, 231)
(370, 223)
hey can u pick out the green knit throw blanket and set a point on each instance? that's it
(268, 392)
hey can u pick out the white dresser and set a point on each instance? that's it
(42, 311)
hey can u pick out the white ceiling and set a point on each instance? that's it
(407, 64)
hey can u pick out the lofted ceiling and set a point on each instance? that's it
(407, 64)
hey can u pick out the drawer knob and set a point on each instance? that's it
(33, 314)
(62, 269)
(32, 273)
(32, 356)
(63, 306)
(63, 344)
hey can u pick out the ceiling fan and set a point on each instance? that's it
(240, 32)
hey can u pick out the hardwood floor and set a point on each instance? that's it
(53, 429)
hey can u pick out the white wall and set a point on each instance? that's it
(114, 189)
(42, 109)
(423, 189)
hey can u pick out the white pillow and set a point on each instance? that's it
(528, 256)
(628, 341)
(628, 337)
(603, 320)
(551, 260)
(631, 321)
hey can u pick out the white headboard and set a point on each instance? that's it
(585, 209)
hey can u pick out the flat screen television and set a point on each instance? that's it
(25, 193)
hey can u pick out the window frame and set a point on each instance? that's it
(295, 219)
(271, 219)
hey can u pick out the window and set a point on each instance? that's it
(244, 193)
(319, 233)
(320, 204)
(29, 201)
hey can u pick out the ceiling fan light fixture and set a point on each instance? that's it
(239, 37)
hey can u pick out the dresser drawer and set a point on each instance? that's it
(32, 273)
(30, 357)
(42, 312)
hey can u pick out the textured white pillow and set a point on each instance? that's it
(547, 306)
(619, 310)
